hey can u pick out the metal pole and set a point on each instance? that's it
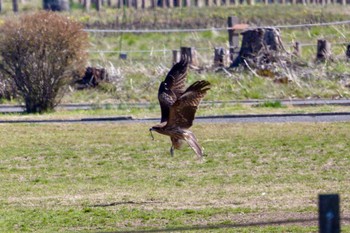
(328, 218)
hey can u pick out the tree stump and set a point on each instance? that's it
(347, 53)
(297, 49)
(191, 55)
(219, 57)
(176, 56)
(259, 46)
(56, 5)
(323, 51)
(123, 56)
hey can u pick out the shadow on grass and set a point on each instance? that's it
(126, 203)
(223, 226)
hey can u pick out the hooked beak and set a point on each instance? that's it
(150, 131)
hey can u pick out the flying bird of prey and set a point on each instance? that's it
(178, 107)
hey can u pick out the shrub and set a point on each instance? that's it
(39, 52)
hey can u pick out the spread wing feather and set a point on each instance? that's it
(172, 87)
(192, 142)
(182, 112)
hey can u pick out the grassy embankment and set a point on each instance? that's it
(137, 78)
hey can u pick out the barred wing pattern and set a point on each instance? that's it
(184, 109)
(172, 87)
(179, 106)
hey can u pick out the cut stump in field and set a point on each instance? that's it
(259, 46)
(347, 53)
(191, 55)
(323, 51)
(219, 57)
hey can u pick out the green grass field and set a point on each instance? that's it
(113, 177)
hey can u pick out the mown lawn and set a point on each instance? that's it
(113, 177)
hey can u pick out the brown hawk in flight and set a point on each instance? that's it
(178, 107)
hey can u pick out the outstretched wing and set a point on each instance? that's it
(182, 112)
(172, 87)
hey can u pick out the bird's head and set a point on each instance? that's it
(157, 128)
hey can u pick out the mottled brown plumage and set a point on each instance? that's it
(178, 107)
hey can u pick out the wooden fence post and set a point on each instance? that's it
(323, 50)
(98, 5)
(190, 53)
(136, 4)
(176, 56)
(196, 3)
(217, 2)
(15, 5)
(233, 39)
(187, 3)
(251, 2)
(87, 4)
(208, 2)
(163, 3)
(328, 217)
(120, 3)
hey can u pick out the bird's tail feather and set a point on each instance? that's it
(192, 142)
